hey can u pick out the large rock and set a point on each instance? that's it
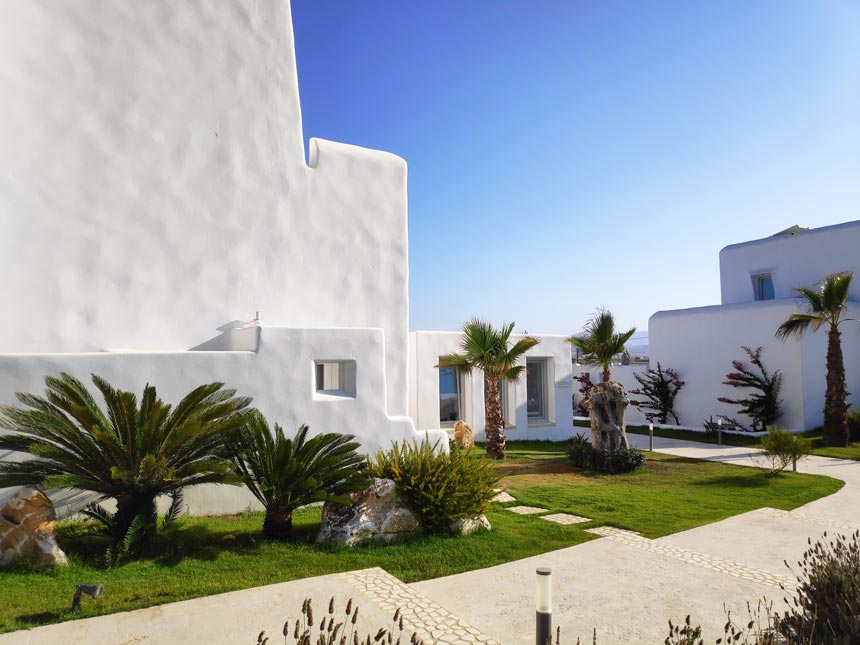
(27, 524)
(469, 525)
(606, 404)
(376, 515)
(463, 435)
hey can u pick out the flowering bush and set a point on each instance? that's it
(660, 387)
(763, 405)
(585, 386)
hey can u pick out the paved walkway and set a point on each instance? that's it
(625, 585)
(629, 586)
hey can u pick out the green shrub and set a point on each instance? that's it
(783, 449)
(438, 487)
(854, 424)
(286, 474)
(583, 455)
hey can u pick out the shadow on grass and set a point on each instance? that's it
(758, 480)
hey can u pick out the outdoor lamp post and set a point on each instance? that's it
(651, 437)
(92, 590)
(720, 431)
(543, 607)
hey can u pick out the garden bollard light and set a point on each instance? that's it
(720, 432)
(543, 606)
(651, 436)
(92, 590)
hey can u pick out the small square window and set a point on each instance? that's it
(335, 378)
(763, 285)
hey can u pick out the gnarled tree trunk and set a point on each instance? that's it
(494, 421)
(835, 398)
(606, 404)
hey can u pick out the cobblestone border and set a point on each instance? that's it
(711, 562)
(433, 624)
(810, 519)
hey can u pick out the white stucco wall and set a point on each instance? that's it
(428, 347)
(701, 344)
(279, 376)
(799, 260)
(153, 185)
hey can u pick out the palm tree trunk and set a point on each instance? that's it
(128, 507)
(494, 420)
(278, 522)
(606, 375)
(835, 398)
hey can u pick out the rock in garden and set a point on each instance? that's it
(606, 404)
(469, 525)
(377, 514)
(463, 435)
(27, 524)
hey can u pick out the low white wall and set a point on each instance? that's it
(428, 347)
(701, 343)
(279, 376)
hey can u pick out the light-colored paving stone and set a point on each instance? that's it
(526, 510)
(565, 518)
(430, 622)
(503, 497)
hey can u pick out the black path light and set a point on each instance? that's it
(92, 590)
(543, 607)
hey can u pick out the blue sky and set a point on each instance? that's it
(565, 155)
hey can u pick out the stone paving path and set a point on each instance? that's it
(430, 621)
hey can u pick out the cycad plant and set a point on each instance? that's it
(286, 474)
(599, 341)
(485, 348)
(826, 306)
(131, 452)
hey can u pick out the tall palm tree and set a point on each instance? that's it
(130, 451)
(489, 350)
(827, 305)
(599, 342)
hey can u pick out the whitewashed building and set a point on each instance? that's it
(154, 195)
(757, 281)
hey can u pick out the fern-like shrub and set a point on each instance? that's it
(287, 473)
(438, 487)
(132, 450)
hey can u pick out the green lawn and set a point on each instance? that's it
(818, 447)
(213, 555)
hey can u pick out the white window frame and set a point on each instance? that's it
(341, 382)
(757, 290)
(460, 385)
(543, 418)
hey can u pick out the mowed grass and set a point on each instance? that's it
(205, 556)
(670, 494)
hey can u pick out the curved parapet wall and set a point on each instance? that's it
(153, 185)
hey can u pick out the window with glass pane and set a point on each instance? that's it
(535, 389)
(764, 287)
(449, 395)
(329, 376)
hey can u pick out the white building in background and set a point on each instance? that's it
(537, 406)
(154, 195)
(757, 281)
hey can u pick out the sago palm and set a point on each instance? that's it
(286, 474)
(485, 348)
(131, 452)
(599, 341)
(826, 306)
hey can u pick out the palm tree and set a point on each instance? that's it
(130, 452)
(599, 342)
(827, 305)
(489, 350)
(286, 474)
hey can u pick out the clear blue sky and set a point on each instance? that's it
(569, 154)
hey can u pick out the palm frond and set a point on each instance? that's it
(797, 324)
